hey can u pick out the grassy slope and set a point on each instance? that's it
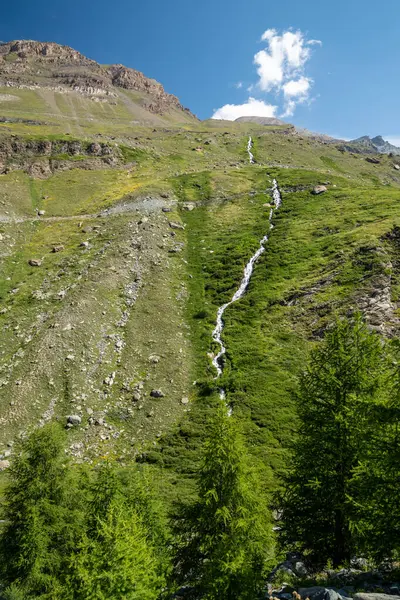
(313, 246)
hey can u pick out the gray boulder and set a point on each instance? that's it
(174, 225)
(319, 189)
(326, 594)
(311, 591)
(366, 596)
(74, 420)
(300, 568)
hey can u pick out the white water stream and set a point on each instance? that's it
(248, 270)
(249, 147)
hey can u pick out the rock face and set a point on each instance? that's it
(372, 145)
(41, 158)
(29, 63)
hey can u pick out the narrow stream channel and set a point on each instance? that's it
(248, 271)
(249, 152)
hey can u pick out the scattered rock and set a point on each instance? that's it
(164, 195)
(165, 209)
(397, 167)
(57, 248)
(157, 394)
(110, 379)
(311, 591)
(177, 248)
(41, 213)
(326, 594)
(74, 420)
(174, 225)
(34, 262)
(300, 569)
(136, 396)
(189, 206)
(374, 161)
(4, 464)
(185, 400)
(319, 189)
(368, 596)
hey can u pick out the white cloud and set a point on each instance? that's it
(281, 71)
(297, 88)
(285, 55)
(295, 92)
(239, 85)
(251, 108)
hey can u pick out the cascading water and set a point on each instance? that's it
(248, 270)
(249, 147)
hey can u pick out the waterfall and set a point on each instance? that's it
(248, 271)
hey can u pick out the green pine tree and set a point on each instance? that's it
(117, 556)
(43, 517)
(338, 390)
(223, 539)
(376, 485)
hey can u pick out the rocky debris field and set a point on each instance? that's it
(358, 582)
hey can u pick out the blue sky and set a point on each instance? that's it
(201, 51)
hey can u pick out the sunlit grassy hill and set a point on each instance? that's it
(120, 239)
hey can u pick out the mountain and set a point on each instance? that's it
(126, 223)
(62, 84)
(262, 121)
(376, 144)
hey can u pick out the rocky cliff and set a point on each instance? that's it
(25, 63)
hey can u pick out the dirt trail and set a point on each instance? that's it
(146, 205)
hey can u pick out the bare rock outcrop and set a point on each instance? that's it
(27, 63)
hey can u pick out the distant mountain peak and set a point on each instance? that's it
(261, 120)
(376, 144)
(378, 140)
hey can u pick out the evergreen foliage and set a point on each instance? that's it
(337, 394)
(117, 556)
(98, 533)
(223, 538)
(117, 562)
(43, 516)
(376, 484)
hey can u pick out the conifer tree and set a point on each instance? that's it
(223, 539)
(117, 557)
(42, 516)
(339, 388)
(376, 484)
